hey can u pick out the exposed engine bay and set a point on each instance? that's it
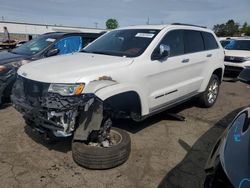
(63, 115)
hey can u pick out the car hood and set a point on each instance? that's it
(237, 53)
(7, 57)
(73, 67)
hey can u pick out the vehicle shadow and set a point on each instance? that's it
(134, 127)
(230, 77)
(5, 105)
(64, 144)
(190, 171)
(58, 144)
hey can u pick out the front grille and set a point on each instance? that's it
(233, 69)
(33, 88)
(30, 91)
(234, 59)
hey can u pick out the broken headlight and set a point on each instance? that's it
(66, 89)
(20, 63)
(15, 64)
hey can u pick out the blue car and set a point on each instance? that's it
(46, 45)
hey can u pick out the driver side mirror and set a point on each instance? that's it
(244, 75)
(52, 52)
(162, 52)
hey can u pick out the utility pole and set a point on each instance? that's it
(2, 18)
(96, 24)
(148, 21)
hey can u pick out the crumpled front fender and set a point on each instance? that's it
(82, 114)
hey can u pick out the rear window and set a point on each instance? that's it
(193, 41)
(209, 40)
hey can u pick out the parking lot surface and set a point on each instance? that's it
(165, 152)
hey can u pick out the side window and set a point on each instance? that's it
(210, 42)
(69, 45)
(174, 39)
(193, 41)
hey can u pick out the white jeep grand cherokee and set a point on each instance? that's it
(132, 72)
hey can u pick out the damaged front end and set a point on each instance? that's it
(63, 115)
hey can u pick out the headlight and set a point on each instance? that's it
(19, 63)
(66, 89)
(15, 64)
(3, 68)
(246, 58)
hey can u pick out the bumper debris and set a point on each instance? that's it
(62, 115)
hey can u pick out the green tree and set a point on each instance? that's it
(112, 23)
(230, 28)
(220, 30)
(245, 29)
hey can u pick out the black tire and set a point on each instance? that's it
(203, 99)
(94, 157)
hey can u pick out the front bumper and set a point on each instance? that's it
(235, 67)
(60, 114)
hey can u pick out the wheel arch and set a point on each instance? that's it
(124, 96)
(219, 71)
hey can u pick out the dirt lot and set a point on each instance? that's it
(165, 152)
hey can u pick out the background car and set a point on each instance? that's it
(225, 42)
(237, 55)
(228, 165)
(46, 45)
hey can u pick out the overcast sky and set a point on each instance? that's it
(128, 12)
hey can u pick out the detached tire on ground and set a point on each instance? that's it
(208, 98)
(96, 157)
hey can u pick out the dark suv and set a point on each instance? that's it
(46, 45)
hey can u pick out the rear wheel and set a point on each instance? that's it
(209, 97)
(112, 152)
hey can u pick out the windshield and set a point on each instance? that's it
(34, 46)
(239, 45)
(127, 42)
(225, 42)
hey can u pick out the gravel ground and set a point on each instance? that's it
(165, 152)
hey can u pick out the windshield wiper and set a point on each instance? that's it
(84, 51)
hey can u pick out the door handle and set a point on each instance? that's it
(185, 60)
(209, 55)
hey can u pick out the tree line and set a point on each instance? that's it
(231, 28)
(228, 29)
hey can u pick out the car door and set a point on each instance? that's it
(213, 55)
(178, 76)
(69, 44)
(198, 58)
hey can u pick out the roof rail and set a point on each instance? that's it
(188, 25)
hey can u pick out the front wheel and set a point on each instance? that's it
(95, 156)
(209, 97)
